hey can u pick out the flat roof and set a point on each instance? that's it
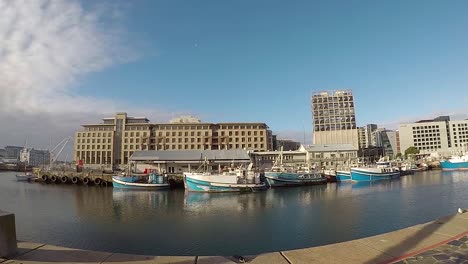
(191, 155)
(330, 147)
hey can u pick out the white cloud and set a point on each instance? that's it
(46, 48)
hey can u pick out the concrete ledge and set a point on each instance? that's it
(8, 245)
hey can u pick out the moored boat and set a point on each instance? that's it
(152, 181)
(374, 173)
(294, 178)
(343, 175)
(26, 177)
(455, 163)
(234, 180)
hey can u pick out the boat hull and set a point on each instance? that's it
(284, 179)
(450, 166)
(24, 177)
(342, 176)
(199, 185)
(362, 175)
(118, 182)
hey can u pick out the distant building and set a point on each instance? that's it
(13, 152)
(287, 144)
(334, 119)
(112, 142)
(398, 142)
(2, 153)
(367, 135)
(370, 154)
(439, 135)
(35, 157)
(387, 140)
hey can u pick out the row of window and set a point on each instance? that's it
(94, 134)
(93, 146)
(94, 140)
(100, 128)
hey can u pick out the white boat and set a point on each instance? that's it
(26, 177)
(233, 180)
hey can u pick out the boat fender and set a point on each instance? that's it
(86, 181)
(64, 179)
(104, 183)
(239, 258)
(75, 180)
(54, 178)
(97, 181)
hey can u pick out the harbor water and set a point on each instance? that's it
(173, 222)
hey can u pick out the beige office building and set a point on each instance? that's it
(437, 135)
(112, 142)
(334, 119)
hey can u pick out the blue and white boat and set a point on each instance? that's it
(152, 181)
(374, 173)
(455, 163)
(234, 180)
(343, 175)
(281, 177)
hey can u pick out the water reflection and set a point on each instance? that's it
(175, 222)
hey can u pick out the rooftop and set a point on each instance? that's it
(191, 155)
(330, 147)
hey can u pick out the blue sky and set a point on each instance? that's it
(246, 60)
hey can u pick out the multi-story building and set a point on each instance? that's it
(13, 152)
(112, 142)
(397, 135)
(35, 157)
(387, 140)
(2, 153)
(367, 135)
(334, 119)
(437, 135)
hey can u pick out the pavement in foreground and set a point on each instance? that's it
(441, 241)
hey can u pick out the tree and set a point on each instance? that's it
(411, 151)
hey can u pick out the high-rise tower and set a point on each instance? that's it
(334, 119)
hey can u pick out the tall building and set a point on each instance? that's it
(334, 119)
(113, 141)
(437, 135)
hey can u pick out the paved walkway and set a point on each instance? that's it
(441, 241)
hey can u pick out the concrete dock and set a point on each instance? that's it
(441, 241)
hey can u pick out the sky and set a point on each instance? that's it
(66, 63)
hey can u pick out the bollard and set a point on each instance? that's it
(8, 245)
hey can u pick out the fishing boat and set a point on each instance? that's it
(284, 176)
(281, 175)
(382, 171)
(455, 163)
(151, 181)
(343, 175)
(232, 180)
(26, 177)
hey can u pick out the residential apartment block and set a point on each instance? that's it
(437, 135)
(113, 141)
(334, 120)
